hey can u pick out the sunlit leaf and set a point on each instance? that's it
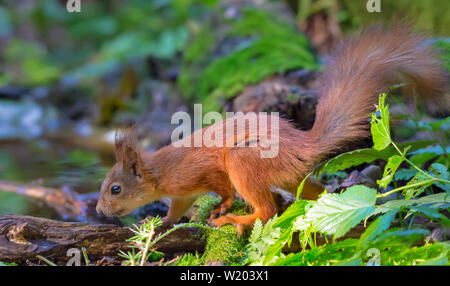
(337, 213)
(380, 129)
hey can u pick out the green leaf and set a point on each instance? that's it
(416, 189)
(437, 200)
(399, 237)
(338, 213)
(423, 155)
(379, 128)
(390, 169)
(292, 212)
(405, 174)
(441, 124)
(274, 250)
(430, 212)
(327, 254)
(377, 227)
(300, 188)
(441, 172)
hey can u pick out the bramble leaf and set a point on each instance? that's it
(379, 128)
(338, 213)
(389, 171)
(415, 189)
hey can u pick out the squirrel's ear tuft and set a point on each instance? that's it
(132, 162)
(124, 138)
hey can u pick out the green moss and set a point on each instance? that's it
(225, 248)
(228, 247)
(204, 205)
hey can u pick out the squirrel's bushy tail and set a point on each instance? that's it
(364, 67)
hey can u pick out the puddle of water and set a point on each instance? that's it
(50, 164)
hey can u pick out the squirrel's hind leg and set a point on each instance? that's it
(257, 195)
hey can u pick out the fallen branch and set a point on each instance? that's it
(23, 238)
(67, 204)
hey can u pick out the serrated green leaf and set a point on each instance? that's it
(440, 171)
(414, 189)
(379, 128)
(274, 250)
(337, 213)
(390, 169)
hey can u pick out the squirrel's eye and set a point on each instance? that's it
(115, 190)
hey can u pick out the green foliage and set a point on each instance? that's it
(272, 46)
(260, 241)
(323, 255)
(101, 38)
(379, 128)
(444, 46)
(334, 215)
(367, 155)
(389, 171)
(142, 242)
(187, 259)
(337, 213)
(377, 227)
(440, 200)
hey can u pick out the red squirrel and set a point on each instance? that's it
(363, 67)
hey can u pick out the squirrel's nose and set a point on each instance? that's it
(99, 210)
